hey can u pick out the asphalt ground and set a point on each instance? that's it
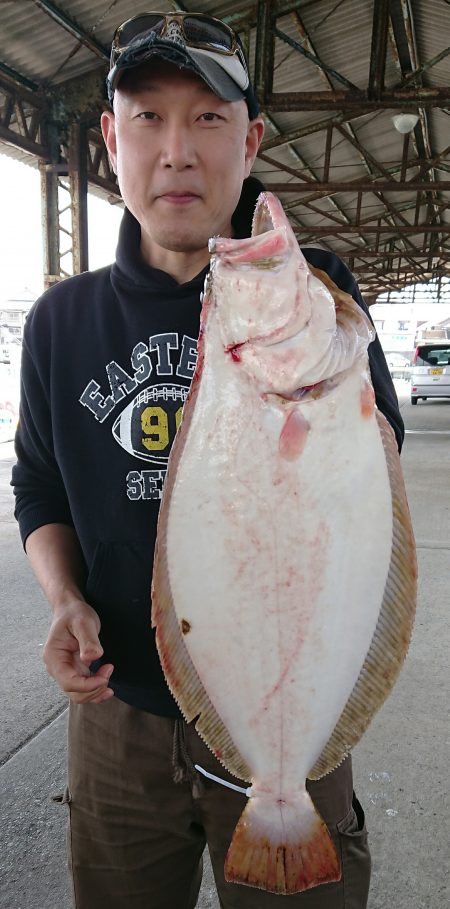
(400, 766)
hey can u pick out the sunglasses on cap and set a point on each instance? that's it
(197, 31)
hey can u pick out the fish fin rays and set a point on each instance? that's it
(284, 848)
(179, 670)
(339, 296)
(182, 677)
(394, 627)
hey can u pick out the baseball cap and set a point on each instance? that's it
(195, 41)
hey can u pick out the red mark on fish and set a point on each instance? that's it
(367, 399)
(234, 352)
(293, 435)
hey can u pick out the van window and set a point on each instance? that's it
(435, 356)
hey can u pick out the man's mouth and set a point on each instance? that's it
(179, 198)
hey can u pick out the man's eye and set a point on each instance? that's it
(147, 115)
(209, 116)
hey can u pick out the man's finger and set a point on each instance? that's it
(73, 683)
(94, 697)
(104, 671)
(88, 641)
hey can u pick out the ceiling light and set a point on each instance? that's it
(405, 123)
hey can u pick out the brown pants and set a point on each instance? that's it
(136, 837)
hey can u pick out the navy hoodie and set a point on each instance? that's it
(108, 357)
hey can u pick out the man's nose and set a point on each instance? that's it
(178, 150)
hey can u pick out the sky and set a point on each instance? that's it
(21, 260)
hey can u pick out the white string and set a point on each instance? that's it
(217, 779)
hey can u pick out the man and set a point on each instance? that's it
(107, 362)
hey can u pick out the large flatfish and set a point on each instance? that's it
(285, 576)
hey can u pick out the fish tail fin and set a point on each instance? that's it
(281, 846)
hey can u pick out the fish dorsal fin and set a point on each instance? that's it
(393, 631)
(179, 670)
(346, 307)
(184, 681)
(339, 296)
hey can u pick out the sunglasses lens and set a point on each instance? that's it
(199, 30)
(139, 26)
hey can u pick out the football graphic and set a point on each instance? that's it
(147, 426)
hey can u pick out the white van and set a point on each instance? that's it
(430, 371)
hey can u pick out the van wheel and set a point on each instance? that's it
(413, 400)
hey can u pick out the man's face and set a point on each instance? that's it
(180, 154)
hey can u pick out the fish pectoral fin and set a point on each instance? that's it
(281, 846)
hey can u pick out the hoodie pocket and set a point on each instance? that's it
(119, 589)
(120, 574)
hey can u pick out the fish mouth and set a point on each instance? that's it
(268, 215)
(269, 243)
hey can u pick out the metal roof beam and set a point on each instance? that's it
(22, 118)
(358, 100)
(297, 158)
(424, 67)
(366, 154)
(10, 87)
(12, 74)
(264, 49)
(294, 135)
(308, 205)
(289, 170)
(338, 77)
(99, 170)
(332, 231)
(371, 254)
(377, 166)
(378, 49)
(307, 43)
(19, 141)
(247, 17)
(433, 161)
(311, 49)
(355, 185)
(408, 60)
(361, 185)
(409, 206)
(61, 18)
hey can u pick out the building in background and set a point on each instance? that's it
(14, 311)
(402, 318)
(13, 314)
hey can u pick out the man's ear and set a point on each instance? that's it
(108, 124)
(255, 135)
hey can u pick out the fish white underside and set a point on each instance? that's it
(270, 564)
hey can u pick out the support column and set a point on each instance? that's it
(64, 203)
(50, 208)
(78, 193)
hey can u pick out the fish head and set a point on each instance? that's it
(260, 284)
(287, 324)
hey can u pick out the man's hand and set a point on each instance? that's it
(72, 644)
(71, 647)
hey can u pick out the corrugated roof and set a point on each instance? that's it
(47, 54)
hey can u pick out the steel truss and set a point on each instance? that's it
(407, 238)
(70, 155)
